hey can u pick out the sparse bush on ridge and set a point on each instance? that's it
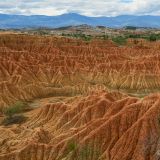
(76, 151)
(79, 35)
(11, 112)
(119, 40)
(153, 37)
(16, 108)
(105, 37)
(149, 37)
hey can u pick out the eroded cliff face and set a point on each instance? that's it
(95, 123)
(102, 125)
(34, 67)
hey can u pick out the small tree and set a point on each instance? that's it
(152, 37)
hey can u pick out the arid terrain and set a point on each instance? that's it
(84, 100)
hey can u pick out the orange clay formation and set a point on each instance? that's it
(100, 118)
(111, 125)
(33, 67)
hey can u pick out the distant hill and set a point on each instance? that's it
(22, 21)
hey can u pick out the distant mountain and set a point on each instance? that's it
(22, 21)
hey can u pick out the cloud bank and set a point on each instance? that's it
(87, 7)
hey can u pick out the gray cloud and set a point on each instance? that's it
(87, 7)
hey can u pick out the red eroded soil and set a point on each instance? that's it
(80, 91)
(34, 67)
(101, 126)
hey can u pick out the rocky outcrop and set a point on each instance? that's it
(102, 125)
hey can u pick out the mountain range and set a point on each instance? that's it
(71, 19)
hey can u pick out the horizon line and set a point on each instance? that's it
(28, 15)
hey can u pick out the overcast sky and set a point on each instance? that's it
(84, 7)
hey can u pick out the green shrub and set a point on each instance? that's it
(17, 119)
(11, 113)
(72, 146)
(82, 152)
(119, 40)
(134, 36)
(87, 38)
(152, 37)
(105, 37)
(16, 108)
